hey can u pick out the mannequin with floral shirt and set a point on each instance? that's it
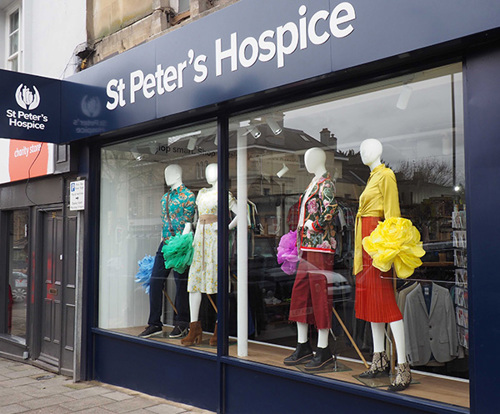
(311, 304)
(178, 207)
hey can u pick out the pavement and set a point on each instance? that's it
(27, 389)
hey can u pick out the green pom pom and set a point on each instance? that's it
(178, 252)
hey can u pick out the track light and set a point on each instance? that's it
(274, 126)
(153, 147)
(135, 153)
(254, 131)
(283, 171)
(404, 97)
(191, 143)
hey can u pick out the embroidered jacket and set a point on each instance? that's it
(320, 207)
(180, 203)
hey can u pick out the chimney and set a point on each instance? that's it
(328, 139)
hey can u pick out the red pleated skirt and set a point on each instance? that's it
(375, 300)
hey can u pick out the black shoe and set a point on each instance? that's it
(150, 331)
(178, 332)
(322, 359)
(302, 354)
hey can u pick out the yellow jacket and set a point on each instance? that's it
(379, 199)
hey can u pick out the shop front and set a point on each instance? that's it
(39, 228)
(274, 143)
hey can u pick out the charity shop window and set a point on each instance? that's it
(351, 253)
(158, 237)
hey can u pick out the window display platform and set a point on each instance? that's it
(428, 386)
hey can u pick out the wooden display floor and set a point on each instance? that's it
(431, 387)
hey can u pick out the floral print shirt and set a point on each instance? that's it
(179, 203)
(321, 208)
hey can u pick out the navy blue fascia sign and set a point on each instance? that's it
(249, 47)
(255, 45)
(29, 107)
(270, 45)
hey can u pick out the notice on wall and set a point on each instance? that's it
(77, 195)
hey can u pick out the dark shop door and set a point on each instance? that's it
(58, 280)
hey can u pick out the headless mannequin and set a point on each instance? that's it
(195, 297)
(314, 160)
(173, 178)
(371, 151)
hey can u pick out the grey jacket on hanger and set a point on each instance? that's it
(430, 333)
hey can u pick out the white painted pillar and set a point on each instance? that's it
(242, 244)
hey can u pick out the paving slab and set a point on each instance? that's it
(25, 388)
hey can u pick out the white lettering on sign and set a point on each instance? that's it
(26, 151)
(26, 120)
(277, 43)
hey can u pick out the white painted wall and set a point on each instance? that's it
(51, 29)
(54, 28)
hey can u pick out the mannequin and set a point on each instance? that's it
(178, 207)
(375, 300)
(311, 303)
(203, 272)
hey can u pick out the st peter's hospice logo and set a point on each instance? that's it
(27, 99)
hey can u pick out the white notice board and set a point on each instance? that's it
(77, 195)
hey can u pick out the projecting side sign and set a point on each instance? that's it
(29, 107)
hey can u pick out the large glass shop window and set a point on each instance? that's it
(158, 237)
(351, 259)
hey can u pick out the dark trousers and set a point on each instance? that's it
(158, 278)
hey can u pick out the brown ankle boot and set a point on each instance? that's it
(194, 335)
(213, 339)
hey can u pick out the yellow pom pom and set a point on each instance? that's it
(395, 241)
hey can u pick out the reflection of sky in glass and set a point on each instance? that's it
(423, 131)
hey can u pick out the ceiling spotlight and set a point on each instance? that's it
(254, 131)
(404, 97)
(153, 147)
(274, 126)
(136, 154)
(283, 171)
(191, 143)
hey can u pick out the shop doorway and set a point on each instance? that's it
(56, 279)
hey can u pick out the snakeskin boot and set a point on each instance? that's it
(379, 366)
(403, 378)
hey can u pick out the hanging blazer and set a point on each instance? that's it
(430, 333)
(320, 207)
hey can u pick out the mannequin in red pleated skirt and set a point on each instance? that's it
(375, 300)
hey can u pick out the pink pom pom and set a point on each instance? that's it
(287, 252)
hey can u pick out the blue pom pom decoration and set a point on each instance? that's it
(143, 276)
